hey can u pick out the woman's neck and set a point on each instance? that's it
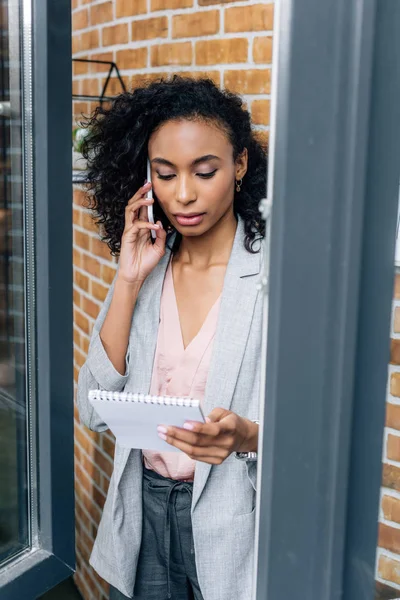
(214, 247)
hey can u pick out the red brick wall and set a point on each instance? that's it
(228, 41)
(388, 556)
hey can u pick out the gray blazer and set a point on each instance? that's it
(223, 504)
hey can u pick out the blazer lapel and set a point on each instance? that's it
(233, 328)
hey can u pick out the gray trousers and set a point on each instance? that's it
(166, 567)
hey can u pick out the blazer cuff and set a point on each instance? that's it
(102, 368)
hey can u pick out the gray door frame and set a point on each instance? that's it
(335, 179)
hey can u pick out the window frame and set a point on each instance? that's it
(334, 189)
(46, 46)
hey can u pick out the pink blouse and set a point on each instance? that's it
(179, 371)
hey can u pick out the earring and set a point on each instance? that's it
(239, 184)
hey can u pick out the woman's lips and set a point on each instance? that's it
(189, 219)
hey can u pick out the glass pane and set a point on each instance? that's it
(13, 400)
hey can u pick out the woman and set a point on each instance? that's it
(182, 317)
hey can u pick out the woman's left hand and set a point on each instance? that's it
(212, 442)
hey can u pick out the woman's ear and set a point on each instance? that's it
(241, 164)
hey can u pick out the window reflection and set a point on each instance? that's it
(13, 413)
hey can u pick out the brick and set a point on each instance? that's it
(76, 374)
(214, 52)
(79, 358)
(389, 538)
(84, 344)
(82, 477)
(397, 287)
(104, 464)
(395, 384)
(91, 265)
(80, 19)
(99, 67)
(89, 40)
(142, 79)
(77, 337)
(262, 49)
(391, 477)
(196, 24)
(391, 508)
(100, 249)
(248, 81)
(76, 86)
(79, 197)
(79, 109)
(101, 13)
(255, 17)
(107, 274)
(132, 58)
(81, 321)
(76, 216)
(81, 280)
(74, 5)
(115, 34)
(77, 258)
(396, 323)
(393, 415)
(148, 29)
(90, 308)
(77, 298)
(98, 497)
(174, 4)
(80, 68)
(81, 239)
(108, 446)
(263, 138)
(211, 2)
(129, 8)
(91, 469)
(213, 75)
(393, 447)
(99, 291)
(114, 86)
(171, 54)
(260, 112)
(395, 352)
(389, 569)
(82, 439)
(76, 43)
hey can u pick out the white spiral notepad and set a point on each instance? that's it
(133, 418)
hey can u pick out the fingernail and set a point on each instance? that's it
(161, 429)
(162, 436)
(208, 420)
(188, 426)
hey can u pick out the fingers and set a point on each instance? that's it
(141, 193)
(138, 226)
(159, 244)
(217, 414)
(137, 205)
(203, 437)
(211, 454)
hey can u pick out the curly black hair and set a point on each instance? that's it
(115, 148)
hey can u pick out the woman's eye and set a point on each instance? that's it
(165, 177)
(207, 175)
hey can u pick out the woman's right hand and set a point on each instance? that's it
(138, 255)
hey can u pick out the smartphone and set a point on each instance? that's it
(150, 213)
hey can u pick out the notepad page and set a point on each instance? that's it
(134, 424)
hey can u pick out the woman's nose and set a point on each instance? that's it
(185, 191)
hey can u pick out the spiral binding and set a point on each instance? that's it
(143, 398)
